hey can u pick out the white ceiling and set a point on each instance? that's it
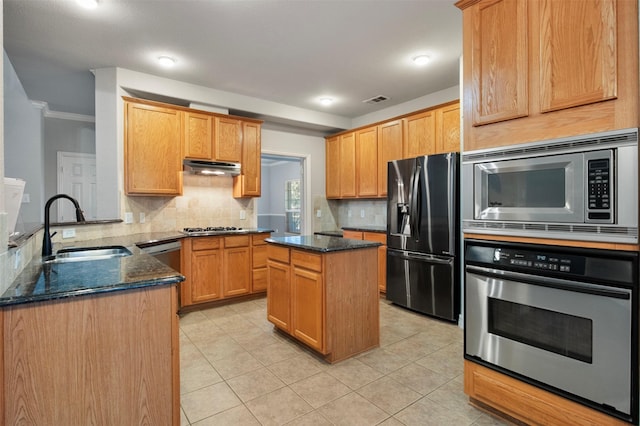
(286, 51)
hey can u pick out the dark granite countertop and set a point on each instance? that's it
(321, 243)
(41, 282)
(365, 228)
(330, 233)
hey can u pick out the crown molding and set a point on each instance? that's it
(47, 113)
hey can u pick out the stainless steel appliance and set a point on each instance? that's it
(168, 252)
(582, 188)
(564, 319)
(423, 235)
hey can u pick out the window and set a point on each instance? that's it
(292, 205)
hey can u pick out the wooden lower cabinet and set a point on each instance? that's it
(527, 403)
(104, 359)
(222, 267)
(328, 301)
(378, 237)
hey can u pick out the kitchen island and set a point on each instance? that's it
(323, 292)
(91, 342)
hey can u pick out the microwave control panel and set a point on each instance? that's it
(600, 188)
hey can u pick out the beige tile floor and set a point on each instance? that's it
(237, 370)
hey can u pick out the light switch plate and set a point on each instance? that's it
(362, 213)
(319, 213)
(128, 217)
(142, 217)
(243, 214)
(69, 233)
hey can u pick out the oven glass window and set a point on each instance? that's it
(567, 335)
(528, 188)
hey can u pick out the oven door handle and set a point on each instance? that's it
(557, 283)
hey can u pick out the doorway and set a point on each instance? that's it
(77, 178)
(284, 203)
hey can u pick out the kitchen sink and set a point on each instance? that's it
(78, 254)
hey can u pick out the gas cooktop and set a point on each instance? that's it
(213, 230)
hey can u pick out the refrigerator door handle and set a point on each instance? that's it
(415, 204)
(423, 257)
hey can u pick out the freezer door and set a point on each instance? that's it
(422, 204)
(423, 283)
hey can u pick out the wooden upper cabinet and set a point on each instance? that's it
(248, 183)
(390, 136)
(577, 62)
(535, 70)
(448, 128)
(228, 138)
(198, 135)
(499, 61)
(152, 150)
(419, 131)
(348, 165)
(367, 162)
(332, 170)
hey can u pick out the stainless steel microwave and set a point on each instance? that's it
(579, 188)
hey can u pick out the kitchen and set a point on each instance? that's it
(127, 79)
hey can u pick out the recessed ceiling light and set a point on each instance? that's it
(88, 4)
(421, 59)
(326, 101)
(166, 61)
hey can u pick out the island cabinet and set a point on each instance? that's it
(546, 69)
(102, 359)
(328, 301)
(380, 237)
(152, 150)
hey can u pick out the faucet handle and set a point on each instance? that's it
(54, 233)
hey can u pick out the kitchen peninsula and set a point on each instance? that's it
(91, 342)
(323, 291)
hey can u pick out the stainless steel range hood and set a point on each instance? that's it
(213, 168)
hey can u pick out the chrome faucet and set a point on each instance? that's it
(46, 242)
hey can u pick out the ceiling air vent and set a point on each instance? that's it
(376, 99)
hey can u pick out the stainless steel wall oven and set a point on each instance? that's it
(564, 319)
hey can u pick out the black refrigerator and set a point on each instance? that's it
(423, 235)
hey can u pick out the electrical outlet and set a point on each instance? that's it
(318, 213)
(69, 233)
(26, 198)
(18, 259)
(362, 213)
(128, 217)
(142, 217)
(349, 213)
(243, 214)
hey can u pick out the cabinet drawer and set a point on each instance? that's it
(378, 237)
(354, 235)
(277, 253)
(307, 260)
(207, 243)
(236, 241)
(259, 239)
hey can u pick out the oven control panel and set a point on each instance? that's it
(532, 260)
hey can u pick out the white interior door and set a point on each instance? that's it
(77, 178)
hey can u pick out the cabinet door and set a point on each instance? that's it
(367, 162)
(448, 129)
(348, 165)
(308, 307)
(248, 183)
(198, 135)
(237, 271)
(577, 62)
(390, 137)
(382, 257)
(258, 263)
(152, 150)
(420, 133)
(205, 271)
(332, 172)
(228, 140)
(499, 61)
(279, 294)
